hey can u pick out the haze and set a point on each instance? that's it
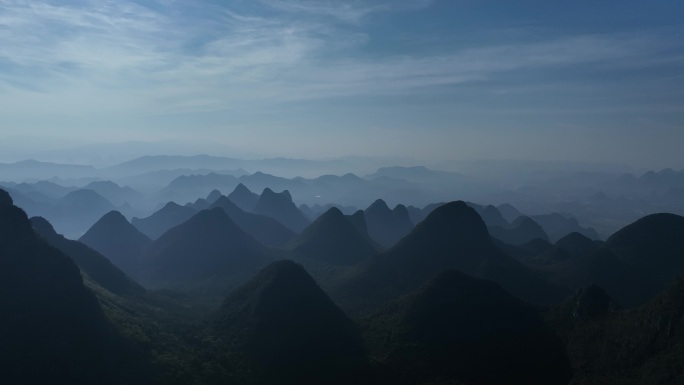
(431, 80)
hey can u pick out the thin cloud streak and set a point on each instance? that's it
(120, 56)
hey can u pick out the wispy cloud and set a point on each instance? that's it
(179, 56)
(350, 11)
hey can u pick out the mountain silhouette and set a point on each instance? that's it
(75, 212)
(575, 244)
(52, 328)
(86, 200)
(490, 215)
(625, 283)
(95, 265)
(213, 196)
(521, 231)
(116, 194)
(188, 187)
(332, 239)
(461, 328)
(609, 345)
(199, 204)
(309, 213)
(118, 240)
(171, 215)
(264, 229)
(286, 325)
(452, 237)
(385, 226)
(358, 219)
(244, 198)
(590, 302)
(557, 226)
(634, 264)
(280, 207)
(509, 212)
(654, 243)
(208, 252)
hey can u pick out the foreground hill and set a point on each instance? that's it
(634, 265)
(607, 345)
(288, 329)
(451, 237)
(208, 252)
(96, 266)
(462, 328)
(118, 240)
(52, 328)
(654, 243)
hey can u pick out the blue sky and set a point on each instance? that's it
(435, 80)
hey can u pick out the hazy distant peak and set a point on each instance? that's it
(222, 200)
(401, 212)
(379, 205)
(114, 216)
(103, 183)
(83, 194)
(270, 194)
(241, 188)
(332, 212)
(523, 221)
(213, 196)
(358, 219)
(170, 205)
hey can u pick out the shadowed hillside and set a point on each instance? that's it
(95, 265)
(209, 252)
(280, 207)
(289, 329)
(52, 328)
(169, 216)
(465, 329)
(118, 240)
(451, 237)
(332, 239)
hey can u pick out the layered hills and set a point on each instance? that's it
(451, 237)
(264, 229)
(333, 239)
(171, 215)
(118, 240)
(208, 252)
(96, 266)
(280, 207)
(386, 226)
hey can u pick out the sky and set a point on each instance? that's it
(435, 80)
